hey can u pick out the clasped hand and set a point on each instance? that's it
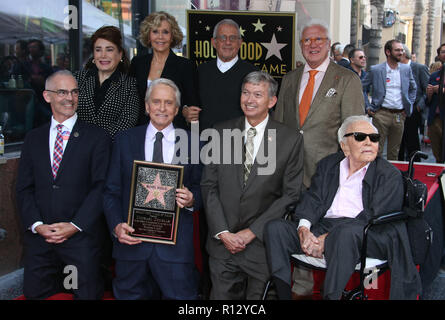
(57, 232)
(237, 242)
(310, 244)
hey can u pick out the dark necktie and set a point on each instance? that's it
(157, 148)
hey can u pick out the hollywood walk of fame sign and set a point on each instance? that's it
(268, 38)
(153, 211)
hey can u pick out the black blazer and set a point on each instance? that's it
(180, 70)
(76, 193)
(120, 109)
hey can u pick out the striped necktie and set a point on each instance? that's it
(248, 162)
(58, 150)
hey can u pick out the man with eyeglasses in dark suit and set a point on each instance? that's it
(60, 180)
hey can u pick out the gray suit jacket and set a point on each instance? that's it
(230, 206)
(338, 97)
(376, 78)
(421, 75)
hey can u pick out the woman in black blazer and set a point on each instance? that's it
(161, 32)
(108, 97)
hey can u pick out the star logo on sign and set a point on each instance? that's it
(273, 48)
(241, 30)
(279, 28)
(156, 190)
(258, 26)
(207, 28)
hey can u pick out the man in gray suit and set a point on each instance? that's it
(393, 95)
(337, 93)
(410, 140)
(241, 195)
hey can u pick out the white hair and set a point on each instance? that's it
(166, 82)
(351, 120)
(316, 22)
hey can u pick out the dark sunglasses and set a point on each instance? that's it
(360, 136)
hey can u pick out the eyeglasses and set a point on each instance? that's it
(362, 57)
(231, 38)
(318, 41)
(61, 93)
(360, 136)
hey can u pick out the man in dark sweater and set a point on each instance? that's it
(220, 80)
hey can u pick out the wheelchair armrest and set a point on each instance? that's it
(387, 218)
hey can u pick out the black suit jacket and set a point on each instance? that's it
(180, 70)
(76, 193)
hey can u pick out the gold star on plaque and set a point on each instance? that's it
(258, 26)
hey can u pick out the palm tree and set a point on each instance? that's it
(375, 36)
(354, 8)
(417, 26)
(429, 32)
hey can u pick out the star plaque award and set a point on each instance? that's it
(153, 212)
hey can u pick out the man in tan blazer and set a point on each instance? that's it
(337, 93)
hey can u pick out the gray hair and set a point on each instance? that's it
(226, 21)
(49, 80)
(316, 22)
(166, 82)
(340, 48)
(351, 120)
(257, 77)
(407, 52)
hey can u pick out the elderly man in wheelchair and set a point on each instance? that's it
(348, 189)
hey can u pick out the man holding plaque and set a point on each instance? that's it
(265, 175)
(149, 270)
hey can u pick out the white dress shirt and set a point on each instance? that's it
(318, 77)
(393, 96)
(66, 132)
(168, 142)
(225, 66)
(168, 145)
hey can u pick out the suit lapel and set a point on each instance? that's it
(138, 143)
(383, 76)
(239, 168)
(296, 89)
(43, 144)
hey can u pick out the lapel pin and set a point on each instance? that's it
(76, 134)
